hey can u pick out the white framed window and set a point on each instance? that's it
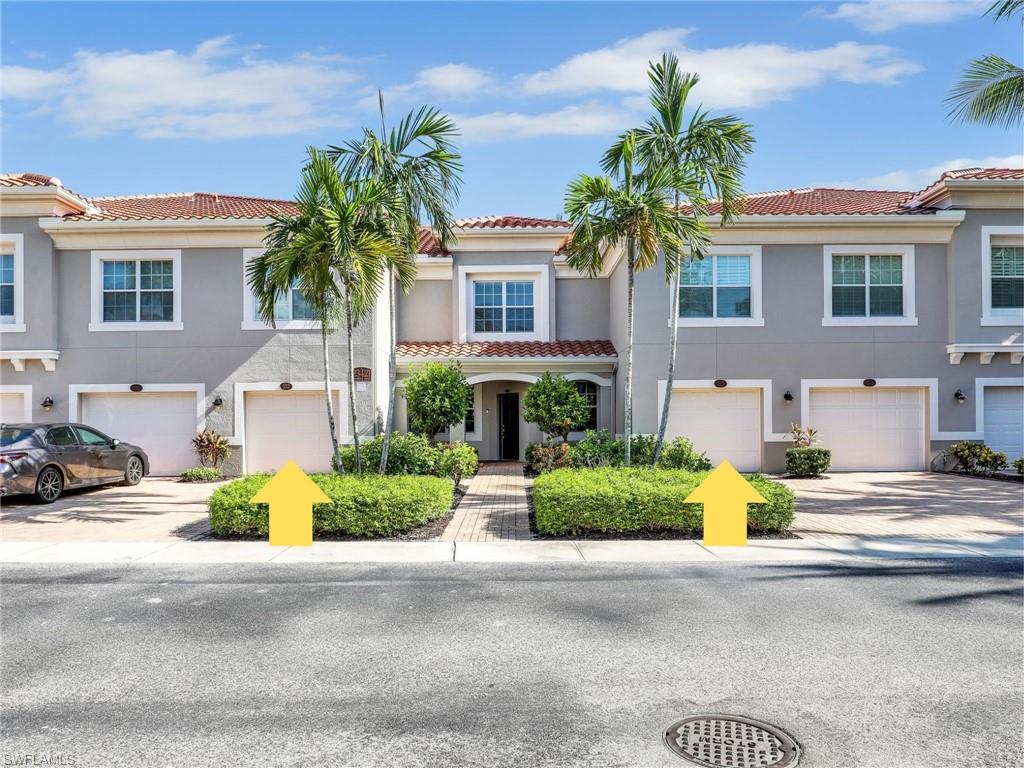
(291, 311)
(12, 283)
(504, 303)
(589, 391)
(1002, 275)
(722, 289)
(136, 291)
(472, 426)
(869, 285)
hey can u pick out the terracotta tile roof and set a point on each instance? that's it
(985, 173)
(821, 201)
(429, 245)
(509, 222)
(446, 349)
(28, 180)
(185, 206)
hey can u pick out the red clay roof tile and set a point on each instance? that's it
(447, 349)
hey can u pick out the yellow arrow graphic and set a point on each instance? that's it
(291, 496)
(725, 495)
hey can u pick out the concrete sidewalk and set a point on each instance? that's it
(762, 550)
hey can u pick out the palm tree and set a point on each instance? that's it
(709, 153)
(636, 213)
(992, 89)
(332, 251)
(421, 167)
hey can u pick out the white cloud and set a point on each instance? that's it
(918, 178)
(211, 92)
(447, 81)
(578, 120)
(747, 75)
(887, 15)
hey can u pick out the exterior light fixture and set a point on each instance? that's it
(286, 385)
(788, 396)
(721, 383)
(869, 382)
(47, 403)
(959, 396)
(218, 401)
(135, 387)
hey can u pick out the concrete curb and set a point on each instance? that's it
(842, 549)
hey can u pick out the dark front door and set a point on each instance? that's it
(508, 426)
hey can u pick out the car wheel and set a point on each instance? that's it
(49, 485)
(134, 471)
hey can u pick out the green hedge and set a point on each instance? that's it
(626, 500)
(362, 505)
(413, 455)
(808, 462)
(201, 475)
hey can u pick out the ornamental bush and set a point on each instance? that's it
(634, 499)
(977, 458)
(599, 449)
(555, 405)
(544, 457)
(211, 447)
(808, 462)
(365, 505)
(437, 396)
(201, 475)
(407, 455)
(455, 460)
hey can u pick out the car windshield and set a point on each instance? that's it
(11, 437)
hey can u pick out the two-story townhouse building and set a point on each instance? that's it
(890, 321)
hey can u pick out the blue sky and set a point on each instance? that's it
(125, 98)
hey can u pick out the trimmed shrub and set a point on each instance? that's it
(201, 475)
(555, 405)
(543, 457)
(361, 505)
(437, 396)
(807, 462)
(1018, 464)
(211, 447)
(407, 455)
(457, 460)
(631, 499)
(599, 449)
(977, 458)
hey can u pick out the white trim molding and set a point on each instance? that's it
(238, 407)
(985, 352)
(477, 435)
(25, 390)
(15, 244)
(76, 390)
(991, 316)
(906, 252)
(96, 289)
(249, 320)
(433, 267)
(18, 358)
(756, 318)
(542, 300)
(167, 233)
(768, 435)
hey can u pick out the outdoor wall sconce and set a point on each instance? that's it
(959, 396)
(788, 396)
(721, 383)
(47, 403)
(218, 401)
(869, 382)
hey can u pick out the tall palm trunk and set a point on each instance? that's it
(630, 285)
(352, 382)
(335, 462)
(673, 341)
(392, 372)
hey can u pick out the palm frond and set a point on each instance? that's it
(991, 91)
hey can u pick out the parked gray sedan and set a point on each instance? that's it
(44, 459)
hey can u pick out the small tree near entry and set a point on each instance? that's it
(555, 405)
(437, 397)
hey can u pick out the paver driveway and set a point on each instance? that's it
(156, 509)
(919, 504)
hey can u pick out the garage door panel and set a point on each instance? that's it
(1004, 420)
(870, 428)
(287, 426)
(12, 407)
(724, 424)
(161, 423)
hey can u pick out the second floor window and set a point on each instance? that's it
(7, 288)
(715, 286)
(138, 291)
(290, 305)
(503, 306)
(867, 286)
(589, 391)
(1007, 277)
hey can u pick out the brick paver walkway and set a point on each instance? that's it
(494, 507)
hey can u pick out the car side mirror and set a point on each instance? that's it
(114, 443)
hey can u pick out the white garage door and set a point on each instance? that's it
(725, 424)
(283, 426)
(1004, 420)
(161, 423)
(12, 408)
(872, 429)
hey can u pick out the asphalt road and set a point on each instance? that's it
(888, 664)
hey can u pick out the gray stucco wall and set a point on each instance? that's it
(41, 285)
(425, 313)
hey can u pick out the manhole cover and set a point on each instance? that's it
(726, 741)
